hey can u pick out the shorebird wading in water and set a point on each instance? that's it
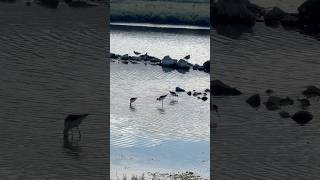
(161, 98)
(132, 100)
(73, 121)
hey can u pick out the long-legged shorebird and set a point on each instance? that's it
(161, 98)
(73, 121)
(132, 100)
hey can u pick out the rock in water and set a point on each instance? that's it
(167, 61)
(274, 15)
(204, 98)
(309, 12)
(218, 88)
(206, 66)
(311, 91)
(302, 117)
(179, 89)
(284, 114)
(189, 93)
(254, 101)
(183, 64)
(235, 11)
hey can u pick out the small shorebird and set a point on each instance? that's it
(174, 94)
(161, 98)
(136, 53)
(73, 121)
(132, 100)
(187, 57)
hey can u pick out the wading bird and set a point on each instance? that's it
(73, 121)
(161, 98)
(132, 100)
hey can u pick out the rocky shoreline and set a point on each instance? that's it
(244, 12)
(181, 65)
(273, 102)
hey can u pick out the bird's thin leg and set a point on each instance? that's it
(79, 132)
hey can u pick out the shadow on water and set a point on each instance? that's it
(161, 110)
(233, 31)
(169, 69)
(132, 109)
(52, 4)
(173, 102)
(72, 145)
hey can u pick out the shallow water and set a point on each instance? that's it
(150, 138)
(258, 144)
(52, 64)
(159, 41)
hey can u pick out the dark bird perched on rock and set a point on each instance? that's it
(302, 117)
(73, 121)
(136, 53)
(132, 100)
(187, 57)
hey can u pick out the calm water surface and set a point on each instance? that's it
(258, 144)
(52, 64)
(150, 138)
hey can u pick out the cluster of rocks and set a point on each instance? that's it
(195, 93)
(272, 103)
(244, 12)
(53, 4)
(166, 61)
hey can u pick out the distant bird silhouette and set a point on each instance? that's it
(132, 100)
(136, 53)
(161, 98)
(215, 108)
(73, 121)
(187, 57)
(174, 94)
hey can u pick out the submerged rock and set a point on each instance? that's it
(304, 102)
(218, 88)
(290, 20)
(302, 117)
(284, 114)
(189, 93)
(254, 101)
